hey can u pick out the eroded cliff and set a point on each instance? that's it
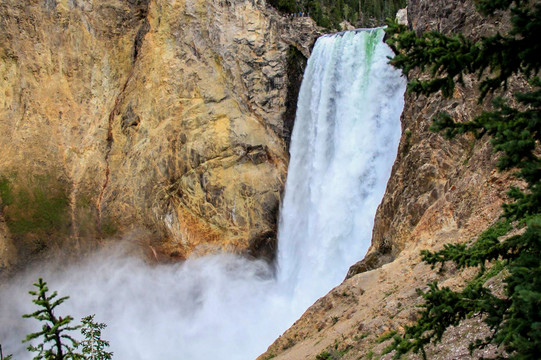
(162, 122)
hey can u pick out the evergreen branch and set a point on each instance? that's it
(54, 329)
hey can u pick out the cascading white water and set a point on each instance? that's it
(343, 145)
(225, 306)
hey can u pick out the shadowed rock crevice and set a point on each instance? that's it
(130, 119)
(371, 261)
(296, 63)
(138, 42)
(263, 246)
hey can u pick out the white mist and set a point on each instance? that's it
(227, 307)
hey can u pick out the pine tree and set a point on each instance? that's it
(56, 343)
(515, 132)
(93, 345)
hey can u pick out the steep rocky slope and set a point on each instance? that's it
(162, 122)
(440, 191)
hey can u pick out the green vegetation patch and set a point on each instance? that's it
(333, 353)
(324, 355)
(109, 228)
(330, 13)
(35, 208)
(386, 336)
(6, 195)
(38, 207)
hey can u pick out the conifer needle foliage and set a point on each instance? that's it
(514, 128)
(93, 345)
(56, 342)
(55, 339)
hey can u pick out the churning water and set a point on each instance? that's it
(226, 307)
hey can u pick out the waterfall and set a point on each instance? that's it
(343, 145)
(225, 306)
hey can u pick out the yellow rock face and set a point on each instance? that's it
(159, 118)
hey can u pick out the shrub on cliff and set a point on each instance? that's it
(515, 131)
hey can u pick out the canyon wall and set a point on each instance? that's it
(433, 175)
(162, 122)
(440, 191)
